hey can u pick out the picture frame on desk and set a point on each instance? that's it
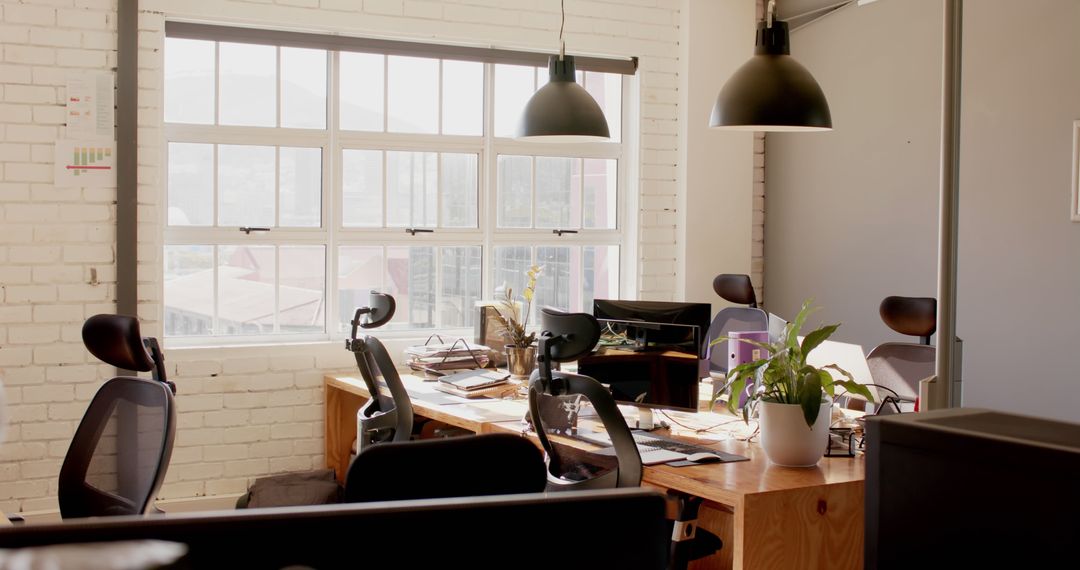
(489, 332)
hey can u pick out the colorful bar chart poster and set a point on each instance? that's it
(89, 164)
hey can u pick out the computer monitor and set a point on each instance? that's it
(650, 352)
(656, 324)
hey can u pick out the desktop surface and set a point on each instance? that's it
(749, 504)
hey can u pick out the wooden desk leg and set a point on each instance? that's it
(341, 408)
(813, 527)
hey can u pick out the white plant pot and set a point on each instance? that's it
(786, 438)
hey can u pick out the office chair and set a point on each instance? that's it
(566, 337)
(467, 466)
(569, 336)
(385, 417)
(120, 452)
(899, 366)
(734, 288)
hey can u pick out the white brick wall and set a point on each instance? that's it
(243, 412)
(50, 240)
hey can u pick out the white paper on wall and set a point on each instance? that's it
(90, 105)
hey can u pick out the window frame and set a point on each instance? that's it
(333, 234)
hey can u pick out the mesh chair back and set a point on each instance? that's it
(491, 464)
(388, 416)
(899, 366)
(555, 398)
(121, 449)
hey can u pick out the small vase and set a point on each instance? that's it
(786, 438)
(520, 361)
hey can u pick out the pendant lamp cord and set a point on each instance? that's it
(562, 24)
(769, 12)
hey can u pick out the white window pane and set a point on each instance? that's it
(557, 269)
(189, 81)
(245, 185)
(601, 183)
(361, 78)
(412, 180)
(362, 186)
(300, 185)
(515, 192)
(191, 184)
(511, 265)
(410, 278)
(248, 85)
(459, 286)
(189, 290)
(413, 94)
(601, 274)
(303, 88)
(301, 306)
(558, 192)
(463, 98)
(606, 88)
(360, 271)
(459, 190)
(514, 84)
(245, 290)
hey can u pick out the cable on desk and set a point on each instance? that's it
(704, 429)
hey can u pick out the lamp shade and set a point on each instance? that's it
(562, 110)
(772, 91)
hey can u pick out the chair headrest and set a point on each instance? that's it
(915, 316)
(579, 331)
(116, 340)
(735, 288)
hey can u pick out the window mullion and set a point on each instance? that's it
(332, 191)
(488, 188)
(277, 289)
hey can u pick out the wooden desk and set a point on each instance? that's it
(768, 516)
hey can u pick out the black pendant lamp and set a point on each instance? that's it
(772, 91)
(562, 110)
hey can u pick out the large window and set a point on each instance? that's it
(300, 179)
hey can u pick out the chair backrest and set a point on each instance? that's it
(472, 465)
(734, 288)
(620, 528)
(566, 337)
(120, 453)
(388, 415)
(118, 458)
(899, 366)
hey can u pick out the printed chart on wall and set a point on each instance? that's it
(89, 164)
(87, 158)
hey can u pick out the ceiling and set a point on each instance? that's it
(787, 8)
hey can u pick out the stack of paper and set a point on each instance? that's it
(445, 358)
(472, 383)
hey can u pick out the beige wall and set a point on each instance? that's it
(716, 171)
(853, 213)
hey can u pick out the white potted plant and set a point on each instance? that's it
(792, 399)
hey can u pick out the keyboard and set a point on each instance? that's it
(653, 449)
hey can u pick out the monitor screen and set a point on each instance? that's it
(650, 352)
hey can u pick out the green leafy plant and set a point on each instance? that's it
(513, 325)
(785, 377)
